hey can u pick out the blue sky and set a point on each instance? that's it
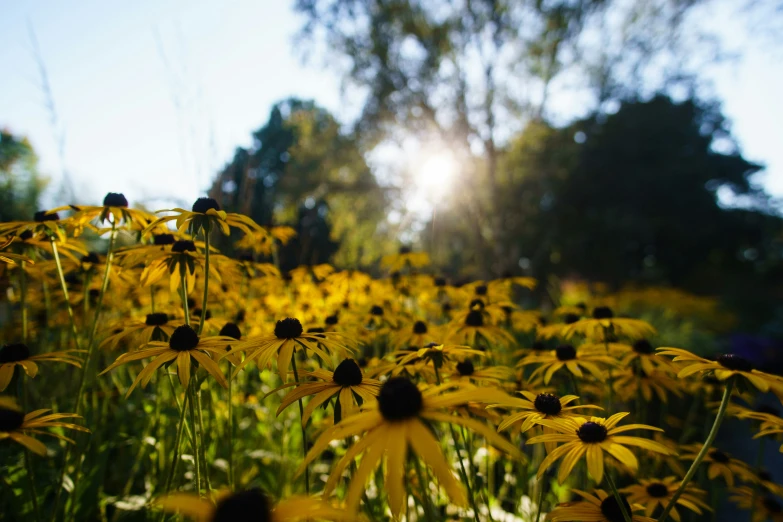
(153, 97)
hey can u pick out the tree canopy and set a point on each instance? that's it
(20, 182)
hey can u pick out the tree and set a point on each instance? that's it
(633, 196)
(474, 72)
(20, 182)
(303, 170)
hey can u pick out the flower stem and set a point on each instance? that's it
(618, 498)
(541, 499)
(426, 504)
(196, 435)
(177, 443)
(301, 421)
(202, 445)
(230, 430)
(183, 294)
(31, 478)
(458, 449)
(724, 403)
(206, 278)
(23, 299)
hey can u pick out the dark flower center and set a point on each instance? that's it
(735, 362)
(548, 403)
(419, 328)
(163, 239)
(477, 303)
(376, 310)
(602, 312)
(198, 311)
(26, 235)
(643, 346)
(465, 368)
(246, 506)
(203, 204)
(348, 373)
(316, 330)
(570, 318)
(657, 490)
(288, 328)
(399, 399)
(92, 257)
(771, 505)
(481, 290)
(183, 245)
(157, 319)
(231, 330)
(183, 339)
(565, 352)
(538, 346)
(719, 456)
(41, 216)
(612, 511)
(765, 476)
(591, 432)
(14, 353)
(405, 249)
(445, 308)
(474, 318)
(10, 420)
(440, 281)
(331, 320)
(114, 199)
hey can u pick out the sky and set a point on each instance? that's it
(152, 97)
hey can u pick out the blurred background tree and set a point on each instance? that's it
(20, 182)
(306, 172)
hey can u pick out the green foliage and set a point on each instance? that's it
(306, 172)
(20, 182)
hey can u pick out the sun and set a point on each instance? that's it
(435, 172)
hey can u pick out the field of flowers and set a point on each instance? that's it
(164, 380)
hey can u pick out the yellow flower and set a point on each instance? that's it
(566, 356)
(718, 463)
(183, 345)
(652, 493)
(436, 353)
(592, 437)
(205, 213)
(395, 422)
(466, 371)
(474, 329)
(767, 507)
(599, 507)
(405, 259)
(251, 505)
(604, 324)
(19, 354)
(14, 423)
(115, 208)
(289, 335)
(634, 380)
(262, 241)
(154, 327)
(724, 366)
(347, 380)
(415, 335)
(537, 407)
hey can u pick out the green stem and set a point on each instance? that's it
(177, 443)
(458, 449)
(202, 445)
(425, 494)
(230, 431)
(541, 499)
(183, 295)
(196, 435)
(206, 279)
(96, 319)
(301, 421)
(618, 498)
(759, 460)
(703, 452)
(23, 299)
(28, 463)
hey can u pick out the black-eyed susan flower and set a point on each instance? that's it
(719, 463)
(415, 335)
(396, 422)
(19, 354)
(633, 380)
(603, 325)
(535, 407)
(264, 240)
(205, 214)
(251, 505)
(183, 345)
(723, 367)
(17, 426)
(570, 358)
(437, 354)
(347, 380)
(474, 330)
(643, 354)
(765, 507)
(771, 425)
(465, 370)
(593, 437)
(405, 258)
(155, 327)
(598, 507)
(44, 224)
(288, 336)
(179, 262)
(115, 209)
(652, 493)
